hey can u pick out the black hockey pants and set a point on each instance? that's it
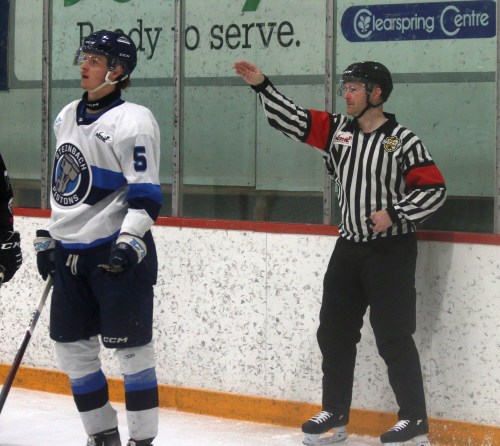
(379, 274)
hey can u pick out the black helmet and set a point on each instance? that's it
(370, 74)
(117, 47)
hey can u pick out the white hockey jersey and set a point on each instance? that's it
(105, 177)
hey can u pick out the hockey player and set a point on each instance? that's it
(105, 196)
(11, 257)
(387, 182)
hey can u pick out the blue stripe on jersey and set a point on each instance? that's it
(96, 194)
(104, 183)
(143, 380)
(97, 242)
(146, 190)
(107, 179)
(147, 197)
(89, 383)
(151, 207)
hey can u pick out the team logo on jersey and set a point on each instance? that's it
(71, 177)
(103, 137)
(344, 138)
(391, 144)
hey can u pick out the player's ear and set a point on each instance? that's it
(117, 72)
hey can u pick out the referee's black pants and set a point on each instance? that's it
(379, 274)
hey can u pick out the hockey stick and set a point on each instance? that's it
(24, 344)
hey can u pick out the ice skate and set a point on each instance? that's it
(315, 428)
(410, 432)
(147, 442)
(110, 437)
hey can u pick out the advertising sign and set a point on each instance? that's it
(420, 21)
(216, 33)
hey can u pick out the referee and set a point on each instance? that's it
(387, 182)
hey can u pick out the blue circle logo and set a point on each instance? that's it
(71, 177)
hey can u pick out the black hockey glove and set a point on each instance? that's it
(127, 251)
(45, 253)
(11, 257)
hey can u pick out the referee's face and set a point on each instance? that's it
(355, 97)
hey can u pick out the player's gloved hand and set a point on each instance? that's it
(45, 253)
(11, 257)
(127, 251)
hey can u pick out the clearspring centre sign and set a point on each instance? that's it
(420, 21)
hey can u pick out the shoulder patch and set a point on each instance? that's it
(391, 144)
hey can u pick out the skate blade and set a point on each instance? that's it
(421, 440)
(340, 434)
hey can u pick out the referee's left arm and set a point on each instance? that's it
(426, 190)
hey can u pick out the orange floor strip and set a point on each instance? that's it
(263, 410)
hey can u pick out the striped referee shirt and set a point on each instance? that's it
(389, 168)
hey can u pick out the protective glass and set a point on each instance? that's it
(93, 60)
(343, 88)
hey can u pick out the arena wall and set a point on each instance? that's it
(237, 312)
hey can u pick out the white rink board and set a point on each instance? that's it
(237, 311)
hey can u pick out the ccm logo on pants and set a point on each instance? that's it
(115, 340)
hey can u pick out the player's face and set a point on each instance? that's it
(354, 94)
(93, 70)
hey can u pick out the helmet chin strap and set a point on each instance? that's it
(368, 106)
(107, 81)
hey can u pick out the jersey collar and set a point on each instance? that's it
(386, 127)
(102, 105)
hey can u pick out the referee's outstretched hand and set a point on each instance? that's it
(251, 74)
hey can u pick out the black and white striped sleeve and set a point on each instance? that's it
(282, 113)
(424, 181)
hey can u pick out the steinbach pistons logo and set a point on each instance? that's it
(71, 176)
(391, 144)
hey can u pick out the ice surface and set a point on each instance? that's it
(31, 418)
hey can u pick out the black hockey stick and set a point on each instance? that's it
(24, 344)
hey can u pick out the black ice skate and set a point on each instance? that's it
(147, 442)
(110, 437)
(321, 424)
(407, 430)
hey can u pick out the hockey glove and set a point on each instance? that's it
(11, 257)
(127, 251)
(45, 253)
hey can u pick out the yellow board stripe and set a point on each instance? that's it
(263, 410)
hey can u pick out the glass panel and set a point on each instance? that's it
(150, 26)
(235, 165)
(21, 123)
(444, 91)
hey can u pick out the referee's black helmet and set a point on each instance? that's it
(370, 74)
